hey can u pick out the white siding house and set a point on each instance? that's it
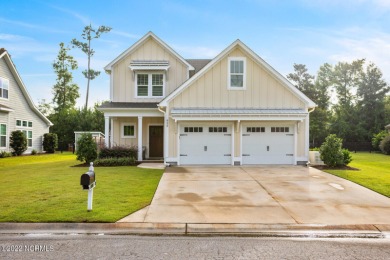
(234, 109)
(17, 110)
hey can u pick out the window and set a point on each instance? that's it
(236, 73)
(279, 129)
(4, 86)
(255, 129)
(28, 135)
(3, 135)
(24, 123)
(128, 130)
(150, 85)
(217, 129)
(195, 129)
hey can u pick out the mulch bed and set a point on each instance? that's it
(324, 167)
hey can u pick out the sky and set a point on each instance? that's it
(282, 32)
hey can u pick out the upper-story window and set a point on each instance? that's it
(150, 85)
(237, 73)
(4, 86)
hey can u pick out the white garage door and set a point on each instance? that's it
(205, 144)
(265, 144)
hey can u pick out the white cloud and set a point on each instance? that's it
(31, 26)
(125, 34)
(85, 20)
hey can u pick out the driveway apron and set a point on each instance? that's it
(261, 194)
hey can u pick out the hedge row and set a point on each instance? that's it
(118, 152)
(130, 161)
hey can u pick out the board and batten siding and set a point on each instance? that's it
(21, 110)
(146, 122)
(124, 80)
(262, 89)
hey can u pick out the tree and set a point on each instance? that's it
(45, 108)
(18, 142)
(316, 91)
(88, 35)
(65, 92)
(86, 148)
(371, 92)
(68, 121)
(345, 78)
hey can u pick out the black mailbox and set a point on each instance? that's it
(87, 180)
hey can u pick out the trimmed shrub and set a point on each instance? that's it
(34, 152)
(118, 152)
(385, 145)
(50, 142)
(115, 162)
(347, 157)
(376, 140)
(5, 154)
(86, 148)
(18, 142)
(331, 151)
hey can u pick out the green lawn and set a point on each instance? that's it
(374, 171)
(46, 188)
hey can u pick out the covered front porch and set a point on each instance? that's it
(140, 127)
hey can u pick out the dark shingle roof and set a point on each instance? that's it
(198, 64)
(2, 50)
(129, 105)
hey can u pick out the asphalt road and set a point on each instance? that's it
(163, 247)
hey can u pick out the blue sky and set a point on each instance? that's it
(282, 32)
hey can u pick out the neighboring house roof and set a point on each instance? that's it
(4, 55)
(139, 43)
(309, 103)
(116, 105)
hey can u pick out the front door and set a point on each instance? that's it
(156, 141)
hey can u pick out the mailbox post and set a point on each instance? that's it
(88, 182)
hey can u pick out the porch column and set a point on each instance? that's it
(111, 133)
(140, 138)
(107, 131)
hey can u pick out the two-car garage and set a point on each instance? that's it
(215, 143)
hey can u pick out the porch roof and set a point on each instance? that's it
(5, 108)
(124, 105)
(236, 111)
(237, 114)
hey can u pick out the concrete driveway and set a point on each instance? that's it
(262, 194)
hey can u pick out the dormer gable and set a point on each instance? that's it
(147, 71)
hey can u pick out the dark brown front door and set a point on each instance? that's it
(156, 141)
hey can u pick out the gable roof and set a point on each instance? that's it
(4, 55)
(256, 58)
(139, 43)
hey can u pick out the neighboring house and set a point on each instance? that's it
(17, 110)
(234, 109)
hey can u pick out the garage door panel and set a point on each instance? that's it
(260, 145)
(212, 145)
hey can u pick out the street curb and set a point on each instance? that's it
(199, 229)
